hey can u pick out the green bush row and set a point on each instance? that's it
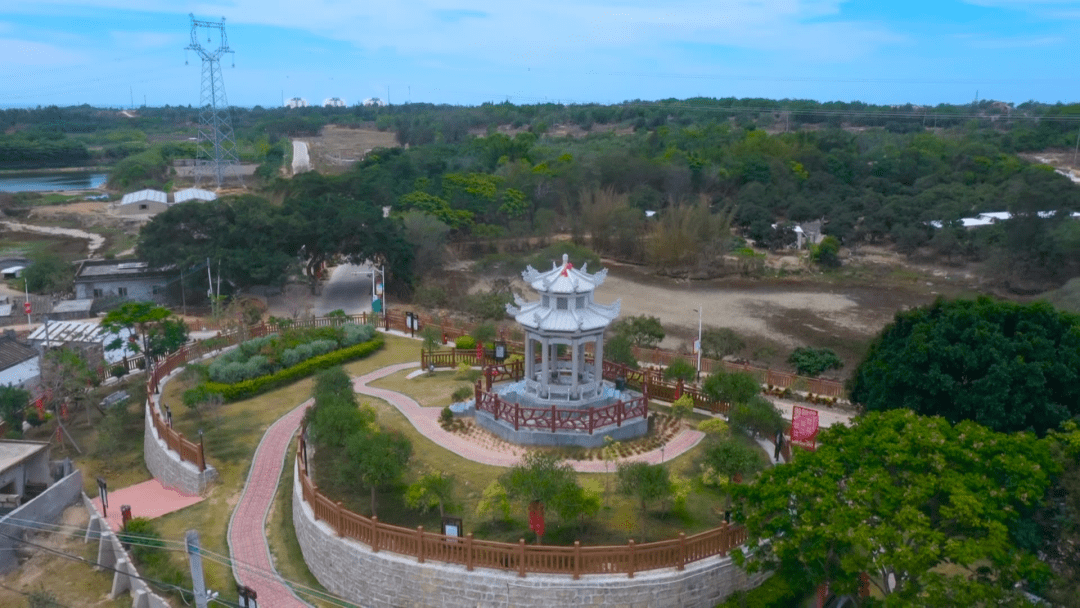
(254, 386)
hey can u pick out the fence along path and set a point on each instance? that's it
(515, 557)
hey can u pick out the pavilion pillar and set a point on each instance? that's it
(575, 361)
(598, 360)
(545, 371)
(529, 356)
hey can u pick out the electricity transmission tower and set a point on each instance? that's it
(216, 144)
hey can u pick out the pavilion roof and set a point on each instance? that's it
(564, 279)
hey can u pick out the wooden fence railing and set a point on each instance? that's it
(517, 557)
(561, 419)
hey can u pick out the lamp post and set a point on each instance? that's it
(697, 345)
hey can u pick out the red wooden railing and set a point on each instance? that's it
(554, 418)
(517, 557)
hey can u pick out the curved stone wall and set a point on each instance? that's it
(166, 465)
(349, 569)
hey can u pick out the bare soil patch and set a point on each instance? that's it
(337, 147)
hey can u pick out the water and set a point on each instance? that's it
(52, 181)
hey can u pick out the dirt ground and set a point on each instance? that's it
(336, 147)
(71, 582)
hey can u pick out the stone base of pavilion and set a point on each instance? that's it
(508, 413)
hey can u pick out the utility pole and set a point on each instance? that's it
(697, 345)
(195, 559)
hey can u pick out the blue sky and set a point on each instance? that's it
(109, 52)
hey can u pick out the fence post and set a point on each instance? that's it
(420, 543)
(517, 412)
(577, 559)
(631, 565)
(521, 558)
(468, 552)
(340, 523)
(620, 407)
(554, 415)
(682, 550)
(374, 533)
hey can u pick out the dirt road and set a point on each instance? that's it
(96, 241)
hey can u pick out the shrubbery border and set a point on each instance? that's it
(255, 386)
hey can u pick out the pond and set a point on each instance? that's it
(52, 181)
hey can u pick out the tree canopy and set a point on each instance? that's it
(153, 329)
(1005, 365)
(926, 508)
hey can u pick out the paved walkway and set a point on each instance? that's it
(426, 420)
(148, 499)
(250, 552)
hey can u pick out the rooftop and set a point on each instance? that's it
(13, 352)
(564, 279)
(109, 268)
(193, 194)
(14, 453)
(156, 196)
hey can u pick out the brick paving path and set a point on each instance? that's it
(247, 528)
(426, 420)
(149, 499)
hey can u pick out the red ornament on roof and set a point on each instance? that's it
(566, 269)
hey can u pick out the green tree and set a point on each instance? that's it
(826, 253)
(814, 361)
(733, 387)
(680, 369)
(1062, 547)
(926, 508)
(377, 459)
(756, 415)
(153, 329)
(720, 342)
(432, 491)
(495, 501)
(48, 273)
(645, 483)
(539, 477)
(13, 402)
(1005, 365)
(642, 330)
(68, 375)
(729, 457)
(618, 349)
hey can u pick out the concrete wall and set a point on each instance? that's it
(138, 288)
(44, 508)
(384, 579)
(166, 466)
(111, 555)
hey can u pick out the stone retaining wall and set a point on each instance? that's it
(165, 464)
(44, 508)
(111, 555)
(349, 568)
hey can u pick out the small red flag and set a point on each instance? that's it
(536, 517)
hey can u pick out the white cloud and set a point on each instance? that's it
(28, 53)
(143, 40)
(509, 32)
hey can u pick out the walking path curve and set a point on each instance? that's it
(426, 420)
(250, 552)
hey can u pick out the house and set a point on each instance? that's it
(808, 233)
(117, 281)
(143, 202)
(333, 102)
(67, 310)
(87, 338)
(20, 363)
(193, 194)
(33, 490)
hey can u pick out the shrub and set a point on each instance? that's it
(118, 371)
(814, 361)
(321, 347)
(713, 426)
(683, 407)
(248, 388)
(446, 417)
(465, 342)
(757, 415)
(680, 368)
(462, 393)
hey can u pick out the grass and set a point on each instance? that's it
(428, 389)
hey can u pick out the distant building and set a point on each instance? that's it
(87, 338)
(193, 194)
(808, 233)
(143, 202)
(118, 281)
(296, 102)
(333, 102)
(20, 363)
(374, 101)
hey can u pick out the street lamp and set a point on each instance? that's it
(697, 345)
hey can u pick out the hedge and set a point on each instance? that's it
(254, 386)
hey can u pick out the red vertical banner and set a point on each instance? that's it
(536, 518)
(479, 353)
(804, 427)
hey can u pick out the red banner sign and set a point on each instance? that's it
(536, 518)
(26, 307)
(804, 427)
